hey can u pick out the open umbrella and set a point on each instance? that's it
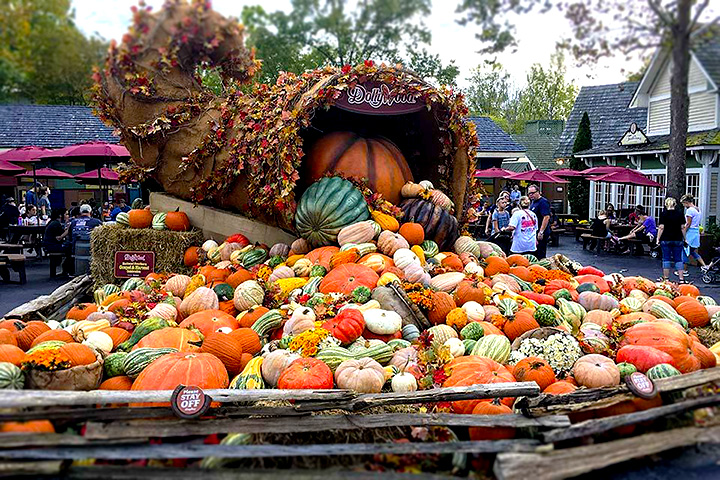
(537, 176)
(627, 176)
(107, 175)
(46, 173)
(23, 155)
(602, 170)
(566, 172)
(7, 167)
(493, 172)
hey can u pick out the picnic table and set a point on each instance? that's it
(35, 232)
(621, 229)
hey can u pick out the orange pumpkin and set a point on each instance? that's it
(522, 272)
(228, 306)
(12, 354)
(240, 276)
(244, 359)
(345, 278)
(171, 337)
(560, 388)
(452, 262)
(218, 275)
(689, 290)
(27, 335)
(322, 256)
(209, 321)
(705, 355)
(78, 354)
(306, 373)
(350, 255)
(412, 232)
(192, 256)
(7, 337)
(682, 298)
(32, 426)
(473, 370)
(247, 318)
(471, 290)
(443, 304)
(534, 369)
(227, 349)
(177, 221)
(694, 312)
(667, 338)
(249, 340)
(60, 335)
(119, 305)
(377, 262)
(523, 321)
(12, 325)
(140, 218)
(376, 159)
(517, 260)
(117, 383)
(81, 311)
(206, 270)
(118, 335)
(627, 320)
(496, 265)
(490, 329)
(493, 407)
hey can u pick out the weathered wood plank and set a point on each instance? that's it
(570, 462)
(599, 425)
(14, 440)
(195, 450)
(26, 469)
(48, 304)
(179, 428)
(307, 399)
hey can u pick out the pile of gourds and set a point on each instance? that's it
(176, 221)
(368, 302)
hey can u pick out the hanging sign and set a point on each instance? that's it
(189, 402)
(130, 264)
(375, 98)
(634, 136)
(641, 385)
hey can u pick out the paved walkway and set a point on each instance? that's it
(38, 283)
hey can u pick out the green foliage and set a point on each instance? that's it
(337, 32)
(44, 58)
(579, 188)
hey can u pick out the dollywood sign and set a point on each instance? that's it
(374, 98)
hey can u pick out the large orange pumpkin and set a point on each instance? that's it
(347, 277)
(689, 289)
(522, 272)
(81, 311)
(693, 311)
(227, 349)
(240, 276)
(534, 369)
(177, 221)
(217, 275)
(209, 321)
(140, 218)
(27, 335)
(523, 321)
(667, 338)
(249, 340)
(473, 370)
(517, 260)
(471, 290)
(171, 337)
(32, 426)
(322, 256)
(496, 265)
(117, 334)
(79, 354)
(60, 335)
(167, 372)
(377, 159)
(12, 325)
(493, 407)
(306, 373)
(191, 256)
(7, 337)
(116, 383)
(12, 354)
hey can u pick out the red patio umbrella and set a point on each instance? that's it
(493, 172)
(627, 176)
(537, 176)
(7, 167)
(23, 154)
(566, 172)
(107, 174)
(46, 173)
(602, 170)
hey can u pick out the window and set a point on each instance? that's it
(659, 195)
(693, 185)
(629, 197)
(599, 199)
(608, 195)
(647, 200)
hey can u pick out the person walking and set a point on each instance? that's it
(53, 240)
(693, 219)
(515, 195)
(81, 227)
(523, 225)
(541, 208)
(44, 209)
(670, 237)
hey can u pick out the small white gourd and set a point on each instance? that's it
(100, 341)
(404, 382)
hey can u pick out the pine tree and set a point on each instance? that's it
(579, 188)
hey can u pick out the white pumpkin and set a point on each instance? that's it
(404, 257)
(457, 347)
(473, 268)
(53, 324)
(247, 294)
(100, 341)
(404, 382)
(177, 285)
(474, 311)
(209, 244)
(274, 363)
(363, 375)
(163, 310)
(426, 184)
(404, 356)
(414, 273)
(382, 322)
(302, 319)
(282, 271)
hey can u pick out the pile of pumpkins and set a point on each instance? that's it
(362, 313)
(176, 221)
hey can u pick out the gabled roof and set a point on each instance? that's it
(609, 112)
(50, 126)
(540, 149)
(492, 138)
(708, 139)
(707, 51)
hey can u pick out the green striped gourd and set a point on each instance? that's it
(147, 326)
(547, 316)
(158, 221)
(137, 360)
(251, 376)
(376, 226)
(429, 248)
(326, 207)
(626, 369)
(715, 321)
(544, 262)
(311, 287)
(318, 271)
(49, 345)
(562, 293)
(662, 370)
(267, 323)
(254, 257)
(99, 296)
(110, 288)
(465, 244)
(472, 331)
(661, 309)
(113, 366)
(469, 344)
(398, 343)
(363, 248)
(508, 307)
(131, 284)
(334, 356)
(123, 219)
(572, 312)
(11, 377)
(524, 286)
(630, 305)
(410, 332)
(496, 347)
(209, 463)
(215, 254)
(706, 300)
(531, 258)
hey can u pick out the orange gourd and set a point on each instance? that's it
(140, 218)
(560, 388)
(227, 349)
(249, 340)
(240, 276)
(27, 335)
(192, 256)
(517, 260)
(81, 311)
(496, 265)
(12, 354)
(117, 383)
(534, 369)
(118, 335)
(322, 256)
(694, 312)
(218, 275)
(473, 370)
(32, 426)
(248, 317)
(177, 221)
(443, 303)
(689, 290)
(182, 339)
(11, 325)
(493, 407)
(471, 290)
(453, 262)
(347, 277)
(350, 255)
(412, 232)
(682, 298)
(523, 321)
(209, 321)
(7, 337)
(78, 354)
(522, 272)
(60, 335)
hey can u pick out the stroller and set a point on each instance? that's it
(712, 272)
(502, 240)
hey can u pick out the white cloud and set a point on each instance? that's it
(537, 35)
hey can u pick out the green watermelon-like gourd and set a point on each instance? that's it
(429, 248)
(318, 271)
(11, 377)
(531, 258)
(113, 366)
(439, 225)
(626, 369)
(410, 332)
(274, 261)
(326, 207)
(132, 284)
(546, 316)
(158, 221)
(123, 219)
(469, 344)
(563, 293)
(663, 293)
(137, 360)
(254, 257)
(496, 347)
(587, 287)
(662, 370)
(571, 312)
(472, 331)
(224, 292)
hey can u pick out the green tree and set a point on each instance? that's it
(338, 32)
(44, 58)
(579, 188)
(489, 90)
(601, 28)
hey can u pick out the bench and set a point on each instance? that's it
(598, 242)
(11, 248)
(579, 231)
(555, 236)
(12, 261)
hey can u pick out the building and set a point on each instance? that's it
(630, 126)
(52, 126)
(495, 149)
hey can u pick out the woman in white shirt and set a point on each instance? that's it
(524, 226)
(692, 228)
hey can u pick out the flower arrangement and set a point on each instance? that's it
(49, 360)
(419, 294)
(309, 342)
(561, 351)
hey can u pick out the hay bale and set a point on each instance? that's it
(168, 246)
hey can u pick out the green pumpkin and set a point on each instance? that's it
(472, 331)
(318, 271)
(587, 287)
(11, 377)
(274, 261)
(547, 316)
(158, 221)
(626, 369)
(563, 293)
(662, 370)
(361, 294)
(224, 292)
(123, 219)
(132, 284)
(429, 248)
(254, 257)
(113, 366)
(326, 207)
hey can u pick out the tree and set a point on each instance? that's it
(329, 32)
(579, 188)
(604, 27)
(44, 58)
(489, 90)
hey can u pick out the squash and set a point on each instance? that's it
(534, 369)
(596, 301)
(594, 371)
(363, 375)
(209, 321)
(447, 282)
(275, 363)
(496, 347)
(345, 278)
(360, 232)
(348, 325)
(301, 320)
(437, 223)
(11, 377)
(306, 373)
(382, 322)
(248, 294)
(200, 299)
(140, 218)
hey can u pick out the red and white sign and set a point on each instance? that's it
(189, 401)
(375, 98)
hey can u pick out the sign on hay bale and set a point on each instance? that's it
(167, 245)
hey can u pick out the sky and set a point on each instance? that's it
(537, 35)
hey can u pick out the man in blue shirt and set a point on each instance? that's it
(541, 208)
(120, 206)
(81, 227)
(31, 197)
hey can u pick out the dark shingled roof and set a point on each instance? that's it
(610, 117)
(492, 138)
(50, 126)
(540, 149)
(707, 51)
(658, 142)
